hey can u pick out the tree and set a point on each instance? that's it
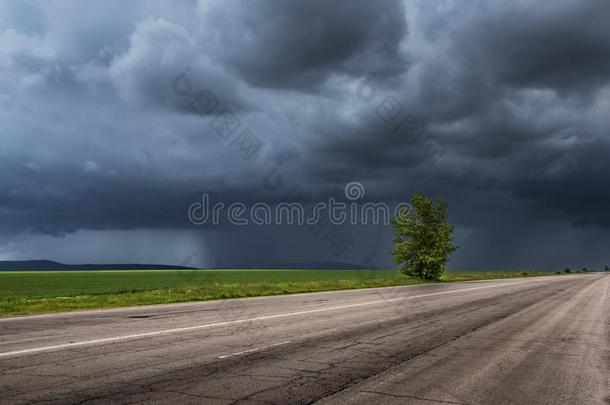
(422, 238)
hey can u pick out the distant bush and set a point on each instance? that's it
(557, 272)
(578, 271)
(567, 270)
(584, 270)
(524, 273)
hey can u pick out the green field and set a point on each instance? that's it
(39, 292)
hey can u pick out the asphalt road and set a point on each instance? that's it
(521, 341)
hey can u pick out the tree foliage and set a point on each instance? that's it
(422, 238)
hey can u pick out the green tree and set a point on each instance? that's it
(422, 238)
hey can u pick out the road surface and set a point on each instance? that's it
(521, 341)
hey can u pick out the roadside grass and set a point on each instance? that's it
(43, 292)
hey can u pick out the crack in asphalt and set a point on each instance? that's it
(339, 360)
(438, 401)
(332, 366)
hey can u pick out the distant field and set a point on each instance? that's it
(39, 292)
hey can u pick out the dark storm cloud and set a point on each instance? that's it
(580, 194)
(299, 44)
(99, 132)
(560, 48)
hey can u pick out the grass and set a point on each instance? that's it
(41, 292)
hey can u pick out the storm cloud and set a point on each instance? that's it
(110, 126)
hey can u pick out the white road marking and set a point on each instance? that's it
(239, 321)
(178, 305)
(257, 349)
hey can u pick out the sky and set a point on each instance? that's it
(117, 116)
